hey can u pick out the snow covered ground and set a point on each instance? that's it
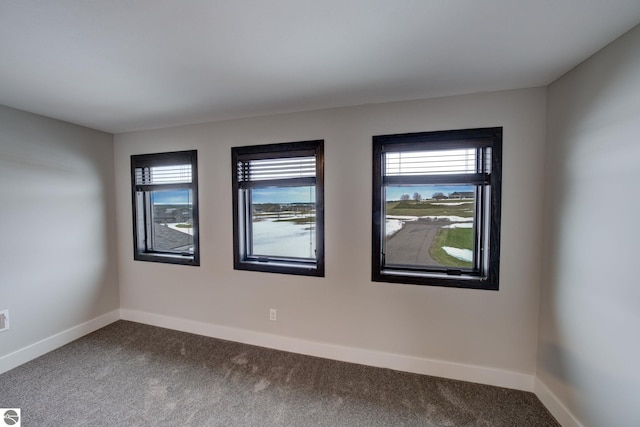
(174, 226)
(277, 238)
(283, 238)
(460, 225)
(394, 223)
(451, 203)
(451, 218)
(462, 254)
(392, 226)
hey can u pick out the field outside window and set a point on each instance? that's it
(278, 208)
(165, 207)
(436, 208)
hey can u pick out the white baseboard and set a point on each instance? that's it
(439, 368)
(554, 405)
(53, 342)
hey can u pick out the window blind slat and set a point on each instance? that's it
(276, 169)
(433, 162)
(175, 174)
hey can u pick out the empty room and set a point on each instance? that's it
(319, 212)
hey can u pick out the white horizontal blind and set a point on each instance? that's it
(277, 169)
(174, 174)
(431, 162)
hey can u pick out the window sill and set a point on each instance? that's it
(434, 279)
(282, 267)
(167, 259)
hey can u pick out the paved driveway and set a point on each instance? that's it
(410, 245)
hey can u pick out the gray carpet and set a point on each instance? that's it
(129, 374)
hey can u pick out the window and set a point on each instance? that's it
(164, 189)
(436, 208)
(278, 208)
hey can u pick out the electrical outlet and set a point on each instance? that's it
(4, 320)
(273, 314)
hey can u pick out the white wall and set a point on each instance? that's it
(468, 327)
(589, 344)
(57, 228)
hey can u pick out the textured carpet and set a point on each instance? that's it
(129, 374)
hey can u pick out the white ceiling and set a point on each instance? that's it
(123, 65)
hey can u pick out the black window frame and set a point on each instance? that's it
(141, 250)
(242, 214)
(485, 271)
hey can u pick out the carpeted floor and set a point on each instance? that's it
(129, 374)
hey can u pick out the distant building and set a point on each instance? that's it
(462, 195)
(170, 214)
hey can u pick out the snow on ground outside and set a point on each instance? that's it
(392, 226)
(462, 254)
(460, 225)
(404, 217)
(394, 223)
(174, 226)
(451, 203)
(451, 218)
(283, 238)
(277, 238)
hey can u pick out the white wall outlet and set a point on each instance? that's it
(273, 314)
(4, 320)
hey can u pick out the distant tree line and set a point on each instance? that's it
(440, 196)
